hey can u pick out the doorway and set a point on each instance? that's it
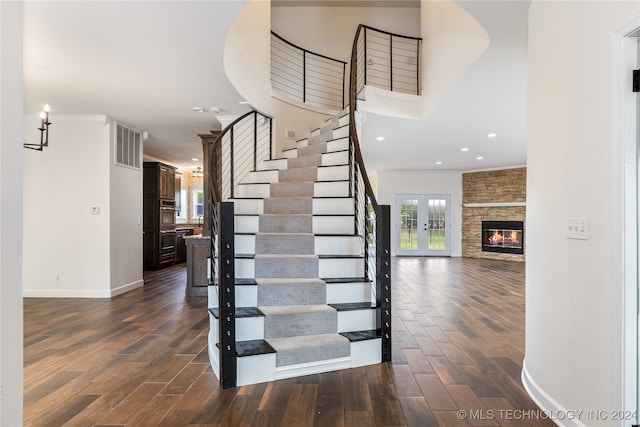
(423, 224)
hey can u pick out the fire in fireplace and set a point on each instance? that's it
(503, 236)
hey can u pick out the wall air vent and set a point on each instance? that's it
(127, 147)
(291, 134)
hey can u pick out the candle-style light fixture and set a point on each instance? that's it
(44, 131)
(197, 173)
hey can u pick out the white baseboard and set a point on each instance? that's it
(81, 293)
(126, 288)
(64, 293)
(313, 368)
(546, 402)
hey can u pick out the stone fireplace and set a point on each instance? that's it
(494, 196)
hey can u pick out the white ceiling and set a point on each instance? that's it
(148, 63)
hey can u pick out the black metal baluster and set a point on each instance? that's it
(383, 278)
(227, 300)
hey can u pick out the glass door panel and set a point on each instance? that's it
(423, 225)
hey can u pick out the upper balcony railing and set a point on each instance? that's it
(388, 61)
(307, 76)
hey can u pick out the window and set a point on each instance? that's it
(198, 203)
(127, 147)
(182, 212)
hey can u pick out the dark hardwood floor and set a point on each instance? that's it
(140, 359)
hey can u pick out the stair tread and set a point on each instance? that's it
(288, 281)
(240, 312)
(253, 348)
(355, 336)
(274, 310)
(273, 256)
(351, 306)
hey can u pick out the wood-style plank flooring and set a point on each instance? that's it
(140, 359)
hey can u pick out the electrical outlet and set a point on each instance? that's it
(95, 210)
(578, 228)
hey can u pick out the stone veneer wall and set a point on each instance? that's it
(508, 185)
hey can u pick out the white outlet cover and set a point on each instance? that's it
(578, 228)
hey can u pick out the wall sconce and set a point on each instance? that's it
(44, 131)
(198, 172)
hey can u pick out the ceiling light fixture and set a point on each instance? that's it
(464, 149)
(195, 159)
(197, 173)
(380, 138)
(479, 158)
(492, 135)
(44, 131)
(438, 162)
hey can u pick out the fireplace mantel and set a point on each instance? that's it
(494, 204)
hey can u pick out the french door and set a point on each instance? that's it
(423, 224)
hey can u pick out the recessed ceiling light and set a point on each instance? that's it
(464, 149)
(479, 158)
(198, 109)
(438, 162)
(195, 159)
(492, 135)
(380, 138)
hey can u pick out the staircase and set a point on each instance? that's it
(302, 302)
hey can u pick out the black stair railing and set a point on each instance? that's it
(307, 76)
(235, 153)
(387, 61)
(391, 62)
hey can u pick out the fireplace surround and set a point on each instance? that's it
(503, 236)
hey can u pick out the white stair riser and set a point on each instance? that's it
(248, 206)
(315, 132)
(272, 164)
(367, 352)
(332, 173)
(302, 143)
(323, 245)
(337, 245)
(338, 145)
(254, 190)
(341, 132)
(247, 296)
(321, 224)
(337, 158)
(249, 328)
(247, 224)
(356, 320)
(256, 369)
(262, 368)
(291, 153)
(333, 225)
(245, 244)
(331, 189)
(245, 268)
(262, 176)
(342, 293)
(344, 120)
(342, 206)
(336, 268)
(327, 268)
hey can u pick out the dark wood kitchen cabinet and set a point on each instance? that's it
(181, 246)
(159, 216)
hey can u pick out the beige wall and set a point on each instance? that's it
(573, 322)
(500, 186)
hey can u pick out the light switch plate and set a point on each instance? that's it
(578, 228)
